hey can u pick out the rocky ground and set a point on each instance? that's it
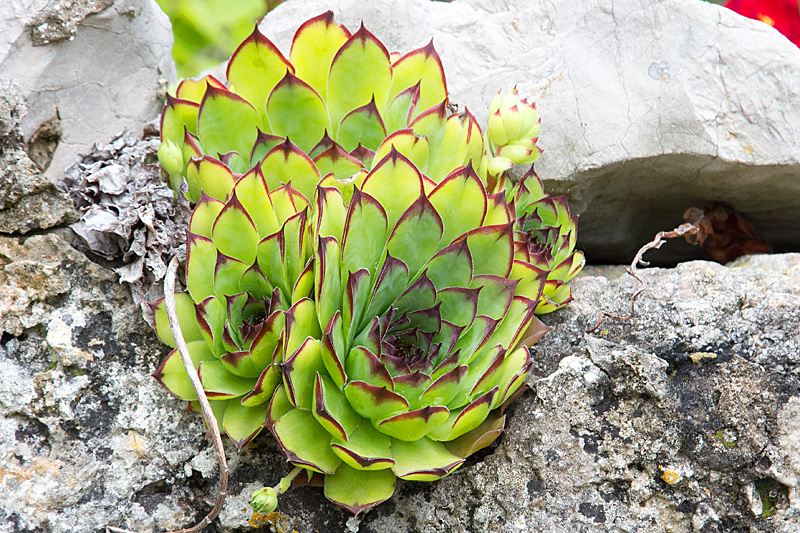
(686, 418)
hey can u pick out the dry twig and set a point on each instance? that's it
(205, 407)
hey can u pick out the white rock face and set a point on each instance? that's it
(98, 65)
(648, 107)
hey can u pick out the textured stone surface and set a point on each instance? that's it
(91, 67)
(648, 108)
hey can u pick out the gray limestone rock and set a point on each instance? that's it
(648, 108)
(86, 70)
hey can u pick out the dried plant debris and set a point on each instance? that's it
(129, 216)
(724, 233)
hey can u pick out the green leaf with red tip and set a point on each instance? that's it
(514, 365)
(495, 296)
(362, 125)
(515, 322)
(478, 438)
(264, 143)
(423, 460)
(208, 175)
(460, 200)
(331, 409)
(420, 66)
(304, 286)
(346, 186)
(241, 364)
(497, 212)
(365, 449)
(414, 425)
(331, 213)
(234, 161)
(177, 116)
(391, 283)
(531, 279)
(193, 89)
(375, 403)
(313, 47)
(294, 262)
(227, 122)
(299, 373)
(251, 190)
(255, 68)
(264, 388)
(408, 143)
(263, 348)
(360, 71)
(332, 350)
(475, 337)
(301, 323)
(492, 249)
(363, 154)
(356, 298)
(186, 318)
(420, 295)
(201, 262)
(286, 162)
(227, 273)
(363, 365)
(402, 109)
(204, 214)
(305, 442)
(336, 160)
(415, 237)
(358, 490)
(364, 234)
(279, 405)
(459, 305)
(328, 284)
(172, 374)
(446, 388)
(297, 112)
(395, 183)
(211, 316)
(555, 296)
(411, 386)
(464, 420)
(242, 424)
(324, 144)
(254, 283)
(451, 267)
(221, 384)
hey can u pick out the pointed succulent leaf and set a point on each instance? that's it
(364, 234)
(264, 143)
(464, 420)
(201, 262)
(330, 214)
(360, 72)
(193, 89)
(515, 322)
(415, 237)
(337, 161)
(492, 249)
(210, 176)
(270, 252)
(204, 215)
(414, 425)
(408, 143)
(221, 384)
(331, 409)
(241, 364)
(420, 66)
(362, 125)
(375, 403)
(177, 115)
(251, 190)
(446, 388)
(313, 47)
(332, 350)
(287, 162)
(304, 286)
(186, 318)
(495, 296)
(423, 460)
(255, 68)
(172, 374)
(227, 122)
(411, 386)
(305, 442)
(391, 283)
(267, 340)
(211, 318)
(395, 183)
(363, 365)
(242, 424)
(357, 490)
(227, 273)
(531, 280)
(299, 372)
(420, 295)
(365, 449)
(451, 267)
(402, 109)
(356, 298)
(301, 324)
(296, 111)
(254, 283)
(264, 388)
(460, 200)
(478, 438)
(459, 305)
(294, 231)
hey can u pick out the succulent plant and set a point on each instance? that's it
(360, 280)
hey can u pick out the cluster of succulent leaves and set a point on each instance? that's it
(361, 279)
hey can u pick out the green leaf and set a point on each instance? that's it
(423, 460)
(264, 345)
(264, 143)
(451, 267)
(366, 448)
(287, 163)
(242, 424)
(204, 215)
(458, 305)
(313, 47)
(186, 318)
(362, 125)
(305, 442)
(391, 283)
(201, 262)
(254, 283)
(421, 66)
(210, 176)
(227, 273)
(178, 115)
(270, 252)
(331, 213)
(328, 284)
(414, 425)
(408, 143)
(356, 298)
(495, 296)
(193, 89)
(375, 403)
(460, 200)
(492, 249)
(337, 161)
(221, 384)
(332, 350)
(227, 122)
(172, 374)
(251, 190)
(416, 236)
(241, 364)
(358, 490)
(264, 389)
(297, 112)
(395, 183)
(301, 323)
(360, 72)
(364, 234)
(234, 233)
(332, 410)
(515, 323)
(464, 420)
(254, 69)
(402, 110)
(363, 365)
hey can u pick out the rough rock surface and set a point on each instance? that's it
(648, 108)
(86, 69)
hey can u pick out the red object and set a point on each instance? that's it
(783, 15)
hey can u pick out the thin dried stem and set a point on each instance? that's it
(660, 238)
(205, 407)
